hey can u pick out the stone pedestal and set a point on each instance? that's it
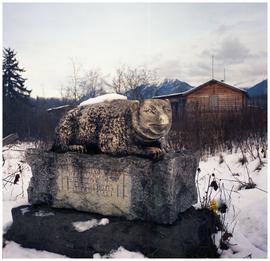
(132, 187)
(53, 230)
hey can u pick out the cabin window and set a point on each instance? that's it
(213, 101)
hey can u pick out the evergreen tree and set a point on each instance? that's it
(13, 83)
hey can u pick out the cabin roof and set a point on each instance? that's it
(182, 94)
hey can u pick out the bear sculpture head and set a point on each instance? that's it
(152, 118)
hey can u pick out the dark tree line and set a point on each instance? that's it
(13, 83)
(21, 113)
(32, 121)
(15, 94)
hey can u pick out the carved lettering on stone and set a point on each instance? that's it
(111, 190)
(95, 183)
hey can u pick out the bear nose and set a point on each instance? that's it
(164, 120)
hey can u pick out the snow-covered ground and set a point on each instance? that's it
(14, 194)
(121, 252)
(14, 250)
(246, 217)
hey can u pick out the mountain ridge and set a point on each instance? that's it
(172, 86)
(258, 89)
(166, 87)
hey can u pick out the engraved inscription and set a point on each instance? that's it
(95, 183)
(103, 191)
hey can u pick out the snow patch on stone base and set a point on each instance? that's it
(82, 226)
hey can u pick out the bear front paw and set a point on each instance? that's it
(154, 153)
(78, 148)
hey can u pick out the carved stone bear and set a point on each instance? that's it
(118, 127)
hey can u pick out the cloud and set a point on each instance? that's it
(197, 70)
(168, 68)
(232, 51)
(222, 29)
(239, 27)
(229, 51)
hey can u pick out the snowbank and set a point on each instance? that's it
(14, 195)
(14, 163)
(102, 98)
(248, 210)
(121, 252)
(14, 250)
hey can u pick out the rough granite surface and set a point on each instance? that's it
(131, 186)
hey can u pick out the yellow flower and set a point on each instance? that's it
(213, 206)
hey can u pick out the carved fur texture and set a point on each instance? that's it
(118, 127)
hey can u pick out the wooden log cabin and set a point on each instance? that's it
(210, 96)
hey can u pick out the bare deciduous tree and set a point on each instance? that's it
(131, 79)
(92, 84)
(118, 81)
(83, 85)
(72, 89)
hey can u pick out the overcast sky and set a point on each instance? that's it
(175, 39)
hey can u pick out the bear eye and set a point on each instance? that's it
(150, 110)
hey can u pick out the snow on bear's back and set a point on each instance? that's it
(102, 98)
